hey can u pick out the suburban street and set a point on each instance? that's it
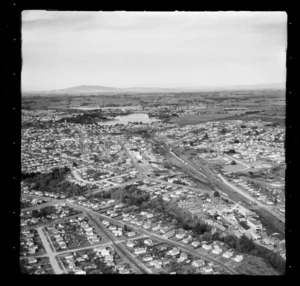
(154, 236)
(122, 251)
(49, 252)
(239, 161)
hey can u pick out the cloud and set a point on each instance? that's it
(57, 20)
(137, 47)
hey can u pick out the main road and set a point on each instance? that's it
(49, 252)
(150, 234)
(94, 216)
(118, 247)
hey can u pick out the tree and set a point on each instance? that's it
(200, 228)
(216, 194)
(205, 196)
(186, 226)
(254, 252)
(245, 244)
(35, 213)
(207, 236)
(233, 162)
(230, 240)
(174, 221)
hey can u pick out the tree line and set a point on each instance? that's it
(247, 246)
(53, 182)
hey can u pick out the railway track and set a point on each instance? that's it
(236, 197)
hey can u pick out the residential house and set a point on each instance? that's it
(183, 256)
(32, 260)
(195, 244)
(175, 251)
(217, 251)
(139, 250)
(198, 263)
(206, 247)
(109, 258)
(130, 243)
(148, 241)
(238, 258)
(147, 258)
(208, 269)
(131, 233)
(227, 254)
(156, 263)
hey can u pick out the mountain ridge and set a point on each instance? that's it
(100, 89)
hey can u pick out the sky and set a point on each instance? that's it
(62, 49)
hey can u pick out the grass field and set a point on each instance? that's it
(233, 168)
(196, 119)
(255, 266)
(279, 171)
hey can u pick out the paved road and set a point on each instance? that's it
(142, 230)
(35, 207)
(279, 185)
(239, 161)
(123, 252)
(57, 201)
(168, 241)
(79, 178)
(49, 252)
(112, 187)
(51, 222)
(137, 166)
(177, 185)
(250, 198)
(129, 256)
(102, 181)
(100, 244)
(190, 250)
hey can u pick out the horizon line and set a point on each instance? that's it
(160, 87)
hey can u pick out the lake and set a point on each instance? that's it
(134, 117)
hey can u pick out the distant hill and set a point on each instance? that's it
(87, 88)
(98, 89)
